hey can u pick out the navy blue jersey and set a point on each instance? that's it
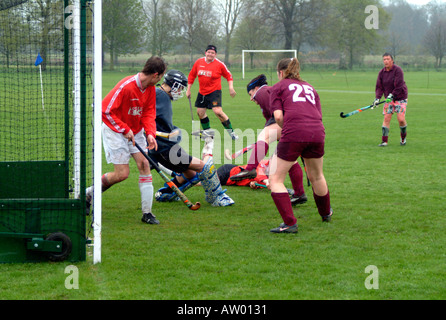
(164, 121)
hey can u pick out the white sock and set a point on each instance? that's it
(146, 189)
(208, 146)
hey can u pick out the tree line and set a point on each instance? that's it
(336, 27)
(345, 30)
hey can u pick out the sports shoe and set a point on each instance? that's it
(402, 142)
(383, 144)
(298, 199)
(149, 218)
(283, 228)
(166, 195)
(233, 135)
(328, 218)
(222, 200)
(244, 174)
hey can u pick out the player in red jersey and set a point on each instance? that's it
(209, 71)
(297, 109)
(128, 115)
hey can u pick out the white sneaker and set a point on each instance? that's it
(383, 144)
(233, 135)
(403, 141)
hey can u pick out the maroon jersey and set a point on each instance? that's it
(301, 109)
(391, 81)
(262, 97)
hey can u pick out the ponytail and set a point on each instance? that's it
(290, 68)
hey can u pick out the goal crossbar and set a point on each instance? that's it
(262, 51)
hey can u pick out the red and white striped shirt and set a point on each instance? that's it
(128, 107)
(209, 75)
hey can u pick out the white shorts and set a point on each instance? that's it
(118, 149)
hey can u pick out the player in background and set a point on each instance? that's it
(209, 71)
(297, 109)
(128, 116)
(391, 83)
(259, 92)
(172, 156)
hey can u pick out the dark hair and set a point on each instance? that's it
(154, 65)
(211, 47)
(291, 68)
(388, 55)
(256, 82)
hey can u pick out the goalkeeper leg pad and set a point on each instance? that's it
(215, 195)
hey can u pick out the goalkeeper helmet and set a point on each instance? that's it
(177, 82)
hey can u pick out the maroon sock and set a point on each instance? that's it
(296, 177)
(283, 204)
(385, 138)
(323, 204)
(258, 153)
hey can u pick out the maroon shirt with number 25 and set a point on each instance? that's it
(302, 112)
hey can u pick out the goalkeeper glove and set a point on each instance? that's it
(375, 103)
(389, 98)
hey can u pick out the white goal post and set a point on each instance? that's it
(262, 51)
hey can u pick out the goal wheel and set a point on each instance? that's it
(66, 246)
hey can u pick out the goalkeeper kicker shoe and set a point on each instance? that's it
(149, 218)
(222, 200)
(283, 228)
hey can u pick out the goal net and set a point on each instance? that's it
(46, 132)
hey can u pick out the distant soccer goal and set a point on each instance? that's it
(252, 52)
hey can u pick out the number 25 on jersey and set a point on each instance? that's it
(302, 93)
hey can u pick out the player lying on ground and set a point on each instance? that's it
(227, 171)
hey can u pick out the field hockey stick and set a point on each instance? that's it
(191, 112)
(359, 110)
(203, 133)
(305, 168)
(260, 185)
(238, 153)
(168, 135)
(172, 185)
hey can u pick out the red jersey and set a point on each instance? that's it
(209, 75)
(301, 107)
(261, 174)
(128, 107)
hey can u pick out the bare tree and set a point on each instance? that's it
(252, 34)
(122, 34)
(297, 21)
(198, 24)
(161, 28)
(435, 41)
(231, 11)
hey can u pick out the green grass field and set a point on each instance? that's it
(388, 212)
